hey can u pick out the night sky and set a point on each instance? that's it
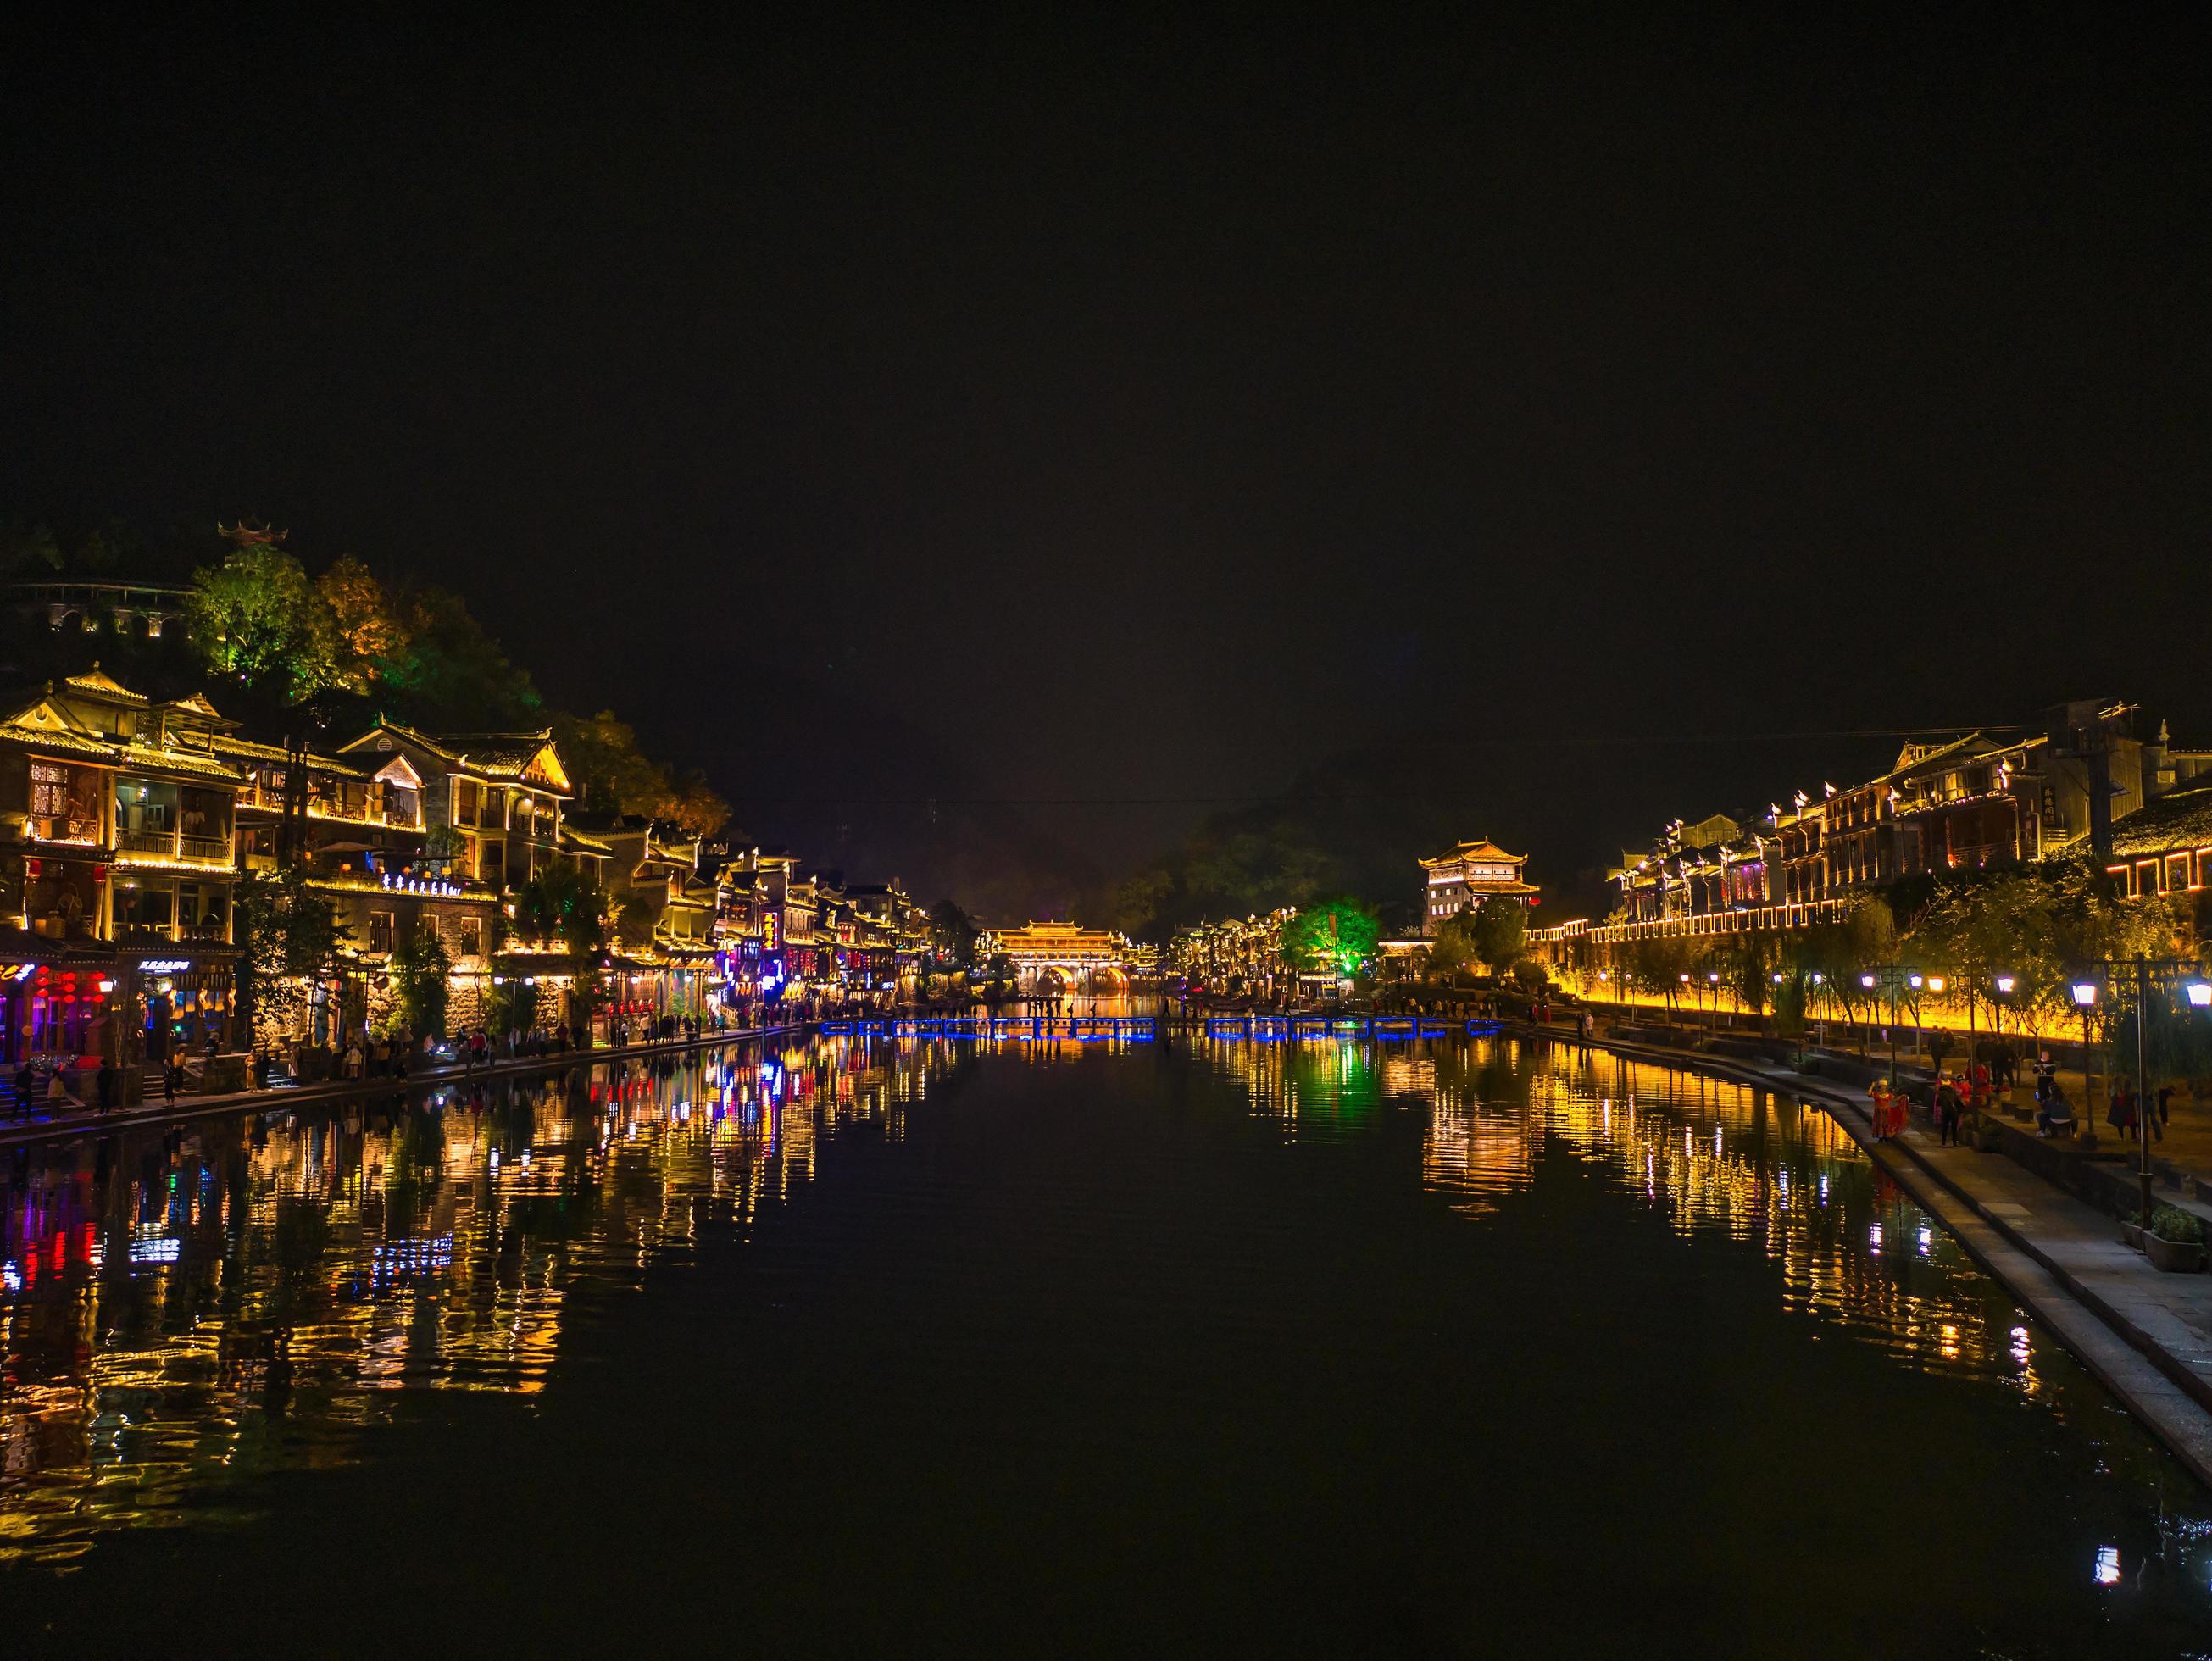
(1085, 424)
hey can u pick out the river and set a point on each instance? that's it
(1199, 1346)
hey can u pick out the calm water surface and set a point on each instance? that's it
(865, 1346)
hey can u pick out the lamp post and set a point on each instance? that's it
(2135, 977)
(2084, 994)
(1891, 976)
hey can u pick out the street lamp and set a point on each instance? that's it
(2135, 976)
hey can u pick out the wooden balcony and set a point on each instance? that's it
(172, 847)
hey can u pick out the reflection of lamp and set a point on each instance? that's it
(1936, 983)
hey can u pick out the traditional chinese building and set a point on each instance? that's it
(1465, 876)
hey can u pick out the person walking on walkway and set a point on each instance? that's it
(1947, 1112)
(2121, 1115)
(104, 1084)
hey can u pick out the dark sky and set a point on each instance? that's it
(1080, 409)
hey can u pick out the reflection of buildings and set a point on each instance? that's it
(313, 1272)
(1708, 1157)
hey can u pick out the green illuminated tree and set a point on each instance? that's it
(1334, 937)
(258, 622)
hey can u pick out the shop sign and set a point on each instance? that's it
(165, 965)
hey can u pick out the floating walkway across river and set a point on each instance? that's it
(1140, 1029)
(1143, 1029)
(1275, 1029)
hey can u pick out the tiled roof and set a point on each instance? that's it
(2177, 820)
(226, 744)
(149, 758)
(97, 682)
(59, 740)
(497, 752)
(1484, 849)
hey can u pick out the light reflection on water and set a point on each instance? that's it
(1710, 1157)
(237, 1298)
(193, 1311)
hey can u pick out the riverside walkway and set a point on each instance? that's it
(2145, 1333)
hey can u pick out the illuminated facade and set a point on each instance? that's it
(1463, 877)
(1040, 950)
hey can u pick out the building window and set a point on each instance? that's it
(379, 932)
(144, 912)
(472, 932)
(464, 801)
(49, 790)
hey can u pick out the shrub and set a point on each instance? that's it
(2171, 1222)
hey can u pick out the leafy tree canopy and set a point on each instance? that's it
(614, 774)
(1335, 936)
(258, 622)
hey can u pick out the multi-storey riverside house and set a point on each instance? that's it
(1799, 869)
(766, 914)
(1987, 798)
(741, 910)
(492, 801)
(116, 874)
(896, 929)
(665, 913)
(1463, 877)
(490, 806)
(364, 846)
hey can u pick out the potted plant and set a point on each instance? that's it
(2175, 1240)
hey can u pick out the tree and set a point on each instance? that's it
(1454, 949)
(1336, 937)
(257, 620)
(371, 638)
(561, 902)
(1501, 932)
(1746, 968)
(691, 803)
(451, 673)
(1658, 962)
(292, 940)
(634, 922)
(952, 937)
(420, 967)
(615, 776)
